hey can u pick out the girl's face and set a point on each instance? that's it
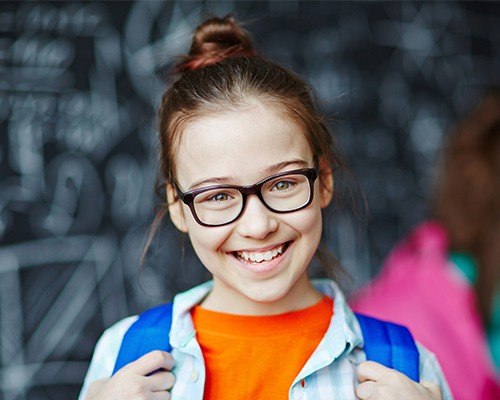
(241, 148)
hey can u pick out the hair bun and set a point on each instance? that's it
(214, 40)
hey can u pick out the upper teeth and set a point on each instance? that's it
(260, 256)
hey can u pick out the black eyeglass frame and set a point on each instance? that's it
(188, 197)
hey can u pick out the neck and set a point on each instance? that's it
(228, 300)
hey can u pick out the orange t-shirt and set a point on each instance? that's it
(258, 357)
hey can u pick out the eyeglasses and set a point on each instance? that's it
(281, 193)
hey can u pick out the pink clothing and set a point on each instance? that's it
(419, 288)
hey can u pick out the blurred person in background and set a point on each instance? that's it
(442, 281)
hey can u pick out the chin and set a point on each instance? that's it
(265, 295)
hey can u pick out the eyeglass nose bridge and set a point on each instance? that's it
(249, 190)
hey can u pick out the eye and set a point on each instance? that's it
(219, 197)
(283, 185)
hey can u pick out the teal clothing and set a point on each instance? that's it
(493, 332)
(466, 264)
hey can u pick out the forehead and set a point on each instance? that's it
(239, 143)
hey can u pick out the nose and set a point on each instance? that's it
(256, 221)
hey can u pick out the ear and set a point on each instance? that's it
(325, 182)
(175, 209)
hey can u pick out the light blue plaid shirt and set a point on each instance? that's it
(330, 372)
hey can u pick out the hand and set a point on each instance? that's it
(134, 382)
(379, 382)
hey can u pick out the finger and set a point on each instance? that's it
(366, 390)
(150, 362)
(96, 387)
(433, 388)
(160, 396)
(371, 371)
(161, 381)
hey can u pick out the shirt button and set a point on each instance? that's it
(194, 376)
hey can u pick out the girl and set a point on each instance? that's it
(247, 163)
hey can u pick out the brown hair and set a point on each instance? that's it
(223, 72)
(468, 196)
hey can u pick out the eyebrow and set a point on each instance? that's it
(272, 169)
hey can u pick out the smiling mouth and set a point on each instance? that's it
(255, 257)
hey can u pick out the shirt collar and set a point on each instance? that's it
(182, 325)
(344, 325)
(343, 333)
(342, 336)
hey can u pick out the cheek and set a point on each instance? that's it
(308, 222)
(206, 241)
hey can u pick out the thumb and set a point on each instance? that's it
(433, 388)
(150, 363)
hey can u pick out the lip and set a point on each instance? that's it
(266, 267)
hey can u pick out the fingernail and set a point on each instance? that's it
(169, 361)
(363, 391)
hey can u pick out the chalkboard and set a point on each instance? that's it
(79, 84)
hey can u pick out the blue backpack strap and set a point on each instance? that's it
(391, 345)
(150, 332)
